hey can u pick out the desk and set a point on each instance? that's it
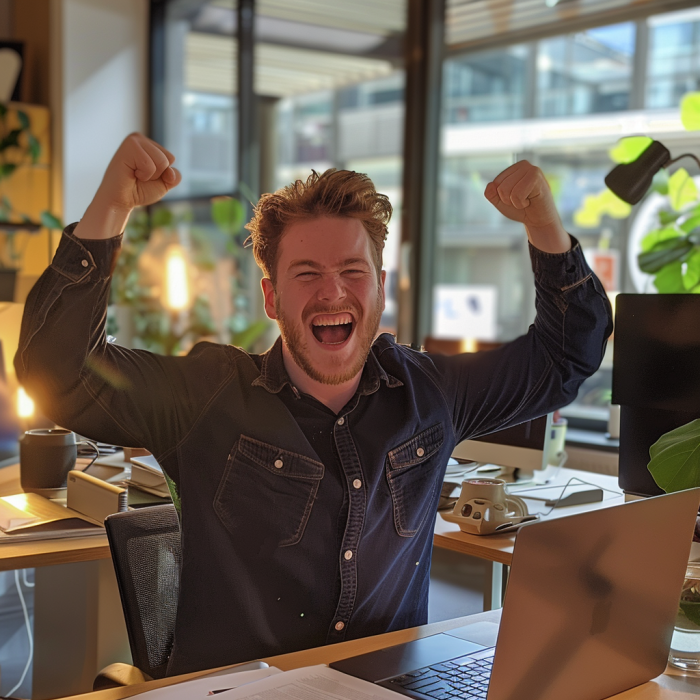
(498, 549)
(671, 685)
(78, 622)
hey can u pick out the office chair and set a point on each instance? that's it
(146, 553)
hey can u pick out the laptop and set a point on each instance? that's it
(588, 613)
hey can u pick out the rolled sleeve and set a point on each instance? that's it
(81, 258)
(560, 271)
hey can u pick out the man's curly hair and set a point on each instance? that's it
(336, 193)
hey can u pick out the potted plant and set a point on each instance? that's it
(18, 147)
(675, 466)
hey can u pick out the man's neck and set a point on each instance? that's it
(335, 396)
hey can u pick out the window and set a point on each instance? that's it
(341, 102)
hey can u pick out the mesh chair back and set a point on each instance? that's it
(146, 552)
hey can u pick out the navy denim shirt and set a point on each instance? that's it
(269, 566)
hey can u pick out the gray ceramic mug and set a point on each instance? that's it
(45, 458)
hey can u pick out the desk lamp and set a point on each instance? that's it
(630, 181)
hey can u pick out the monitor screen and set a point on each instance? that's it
(524, 446)
(656, 377)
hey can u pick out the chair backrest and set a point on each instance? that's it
(146, 552)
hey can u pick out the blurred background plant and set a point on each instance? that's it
(18, 147)
(669, 249)
(160, 299)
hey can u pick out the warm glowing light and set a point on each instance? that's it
(25, 406)
(469, 345)
(176, 282)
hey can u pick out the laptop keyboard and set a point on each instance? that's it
(465, 678)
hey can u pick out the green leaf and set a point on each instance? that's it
(669, 279)
(6, 169)
(629, 149)
(691, 609)
(681, 189)
(613, 206)
(23, 119)
(162, 218)
(34, 148)
(690, 224)
(652, 239)
(246, 338)
(663, 253)
(50, 220)
(668, 217)
(3, 110)
(691, 274)
(690, 111)
(11, 140)
(227, 213)
(675, 458)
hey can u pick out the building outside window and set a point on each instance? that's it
(562, 103)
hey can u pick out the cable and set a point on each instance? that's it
(25, 579)
(574, 479)
(29, 635)
(685, 155)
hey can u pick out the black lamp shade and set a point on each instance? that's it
(630, 181)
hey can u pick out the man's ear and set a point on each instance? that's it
(268, 290)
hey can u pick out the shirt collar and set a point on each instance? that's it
(273, 376)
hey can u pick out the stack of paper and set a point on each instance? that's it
(28, 516)
(310, 683)
(147, 475)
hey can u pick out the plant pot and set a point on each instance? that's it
(8, 279)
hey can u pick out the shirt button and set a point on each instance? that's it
(348, 555)
(341, 421)
(339, 626)
(279, 463)
(357, 484)
(420, 451)
(84, 263)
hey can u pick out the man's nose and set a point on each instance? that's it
(331, 289)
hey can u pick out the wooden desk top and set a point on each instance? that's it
(672, 685)
(499, 548)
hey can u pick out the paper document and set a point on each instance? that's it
(310, 683)
(209, 686)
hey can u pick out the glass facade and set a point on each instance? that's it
(561, 103)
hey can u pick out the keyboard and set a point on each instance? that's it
(464, 678)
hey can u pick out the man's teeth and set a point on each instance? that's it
(333, 321)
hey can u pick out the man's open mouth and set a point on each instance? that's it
(332, 329)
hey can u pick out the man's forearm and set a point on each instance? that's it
(102, 220)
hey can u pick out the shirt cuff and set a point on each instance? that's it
(80, 258)
(560, 270)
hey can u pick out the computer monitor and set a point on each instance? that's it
(9, 426)
(524, 447)
(656, 377)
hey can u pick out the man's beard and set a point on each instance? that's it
(293, 337)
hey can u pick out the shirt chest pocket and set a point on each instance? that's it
(412, 470)
(266, 493)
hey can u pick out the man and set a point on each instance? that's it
(308, 476)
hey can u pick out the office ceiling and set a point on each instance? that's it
(473, 23)
(280, 71)
(301, 46)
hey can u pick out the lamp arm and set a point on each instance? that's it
(684, 155)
